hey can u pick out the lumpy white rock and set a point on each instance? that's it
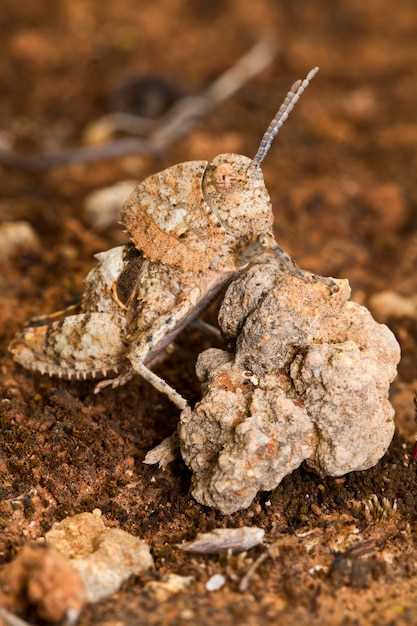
(102, 207)
(308, 381)
(104, 557)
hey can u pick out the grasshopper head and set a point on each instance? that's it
(198, 215)
(236, 192)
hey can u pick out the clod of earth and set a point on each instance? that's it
(104, 557)
(308, 381)
(44, 582)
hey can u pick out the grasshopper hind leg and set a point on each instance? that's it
(87, 345)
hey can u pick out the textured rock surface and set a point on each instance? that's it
(104, 557)
(308, 381)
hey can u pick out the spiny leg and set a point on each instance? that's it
(289, 264)
(119, 381)
(150, 377)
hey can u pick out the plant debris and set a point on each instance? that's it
(168, 586)
(225, 539)
(177, 122)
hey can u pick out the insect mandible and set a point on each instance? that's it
(192, 228)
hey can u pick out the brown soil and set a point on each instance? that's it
(343, 184)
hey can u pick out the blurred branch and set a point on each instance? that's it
(10, 619)
(179, 120)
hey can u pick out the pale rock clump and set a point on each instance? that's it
(102, 207)
(103, 557)
(17, 238)
(308, 380)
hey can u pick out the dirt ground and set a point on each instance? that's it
(343, 184)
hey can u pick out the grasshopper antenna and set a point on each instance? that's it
(281, 117)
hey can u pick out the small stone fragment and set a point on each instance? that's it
(17, 238)
(215, 583)
(386, 304)
(170, 585)
(98, 132)
(42, 580)
(223, 539)
(102, 207)
(104, 557)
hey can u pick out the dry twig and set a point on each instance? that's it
(225, 539)
(244, 583)
(12, 620)
(176, 123)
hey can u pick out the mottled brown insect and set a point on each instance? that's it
(192, 228)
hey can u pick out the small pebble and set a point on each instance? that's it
(17, 238)
(215, 583)
(102, 207)
(170, 585)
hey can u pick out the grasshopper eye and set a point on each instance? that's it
(225, 178)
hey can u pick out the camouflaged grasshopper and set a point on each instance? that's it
(192, 227)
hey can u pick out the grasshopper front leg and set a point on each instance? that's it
(143, 371)
(289, 265)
